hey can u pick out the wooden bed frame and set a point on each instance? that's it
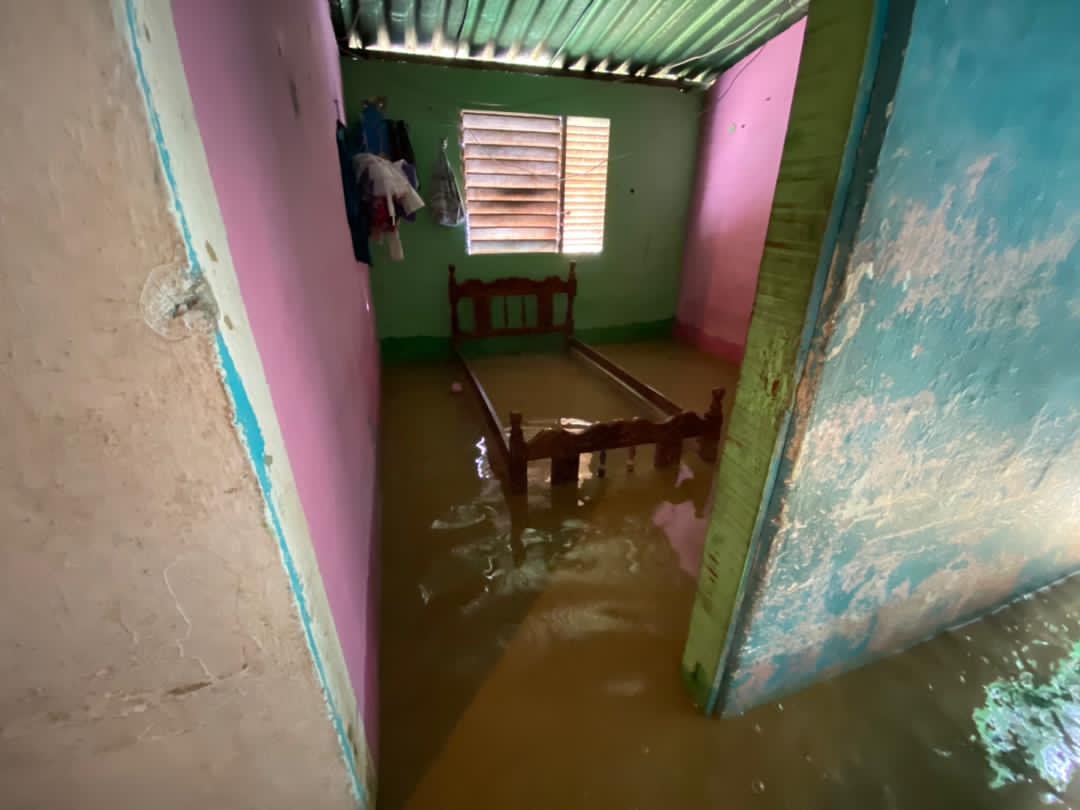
(511, 451)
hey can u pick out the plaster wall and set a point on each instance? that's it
(150, 650)
(265, 87)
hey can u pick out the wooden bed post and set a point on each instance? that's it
(564, 469)
(571, 291)
(714, 426)
(519, 463)
(668, 453)
(455, 326)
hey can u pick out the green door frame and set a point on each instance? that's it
(836, 75)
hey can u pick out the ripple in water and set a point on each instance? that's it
(1035, 725)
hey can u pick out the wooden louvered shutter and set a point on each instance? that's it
(585, 188)
(513, 165)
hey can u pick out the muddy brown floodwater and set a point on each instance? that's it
(531, 660)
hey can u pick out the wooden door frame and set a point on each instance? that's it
(830, 148)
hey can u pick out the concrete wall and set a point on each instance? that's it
(932, 470)
(150, 649)
(742, 137)
(630, 289)
(266, 87)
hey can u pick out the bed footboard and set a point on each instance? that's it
(564, 447)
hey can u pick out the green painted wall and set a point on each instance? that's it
(627, 291)
(833, 82)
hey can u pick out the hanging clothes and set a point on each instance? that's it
(380, 180)
(350, 142)
(401, 144)
(447, 205)
(410, 173)
(388, 194)
(376, 130)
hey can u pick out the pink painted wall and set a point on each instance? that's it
(264, 79)
(745, 124)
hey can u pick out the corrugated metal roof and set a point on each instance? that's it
(691, 40)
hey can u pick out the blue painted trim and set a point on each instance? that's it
(246, 421)
(770, 494)
(256, 445)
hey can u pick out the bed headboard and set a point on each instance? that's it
(483, 294)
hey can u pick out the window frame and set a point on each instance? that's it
(491, 149)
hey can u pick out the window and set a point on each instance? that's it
(534, 183)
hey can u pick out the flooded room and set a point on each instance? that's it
(597, 404)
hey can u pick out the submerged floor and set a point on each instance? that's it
(532, 660)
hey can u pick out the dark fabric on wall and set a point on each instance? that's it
(351, 142)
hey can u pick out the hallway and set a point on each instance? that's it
(533, 662)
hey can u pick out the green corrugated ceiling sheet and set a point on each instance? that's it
(691, 40)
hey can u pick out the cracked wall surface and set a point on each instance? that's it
(931, 473)
(150, 650)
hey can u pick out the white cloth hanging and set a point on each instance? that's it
(388, 181)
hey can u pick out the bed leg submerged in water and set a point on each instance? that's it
(709, 443)
(518, 464)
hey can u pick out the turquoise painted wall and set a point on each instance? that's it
(631, 288)
(931, 473)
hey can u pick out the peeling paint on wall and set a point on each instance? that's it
(951, 256)
(931, 474)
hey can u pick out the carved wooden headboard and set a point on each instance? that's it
(482, 294)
